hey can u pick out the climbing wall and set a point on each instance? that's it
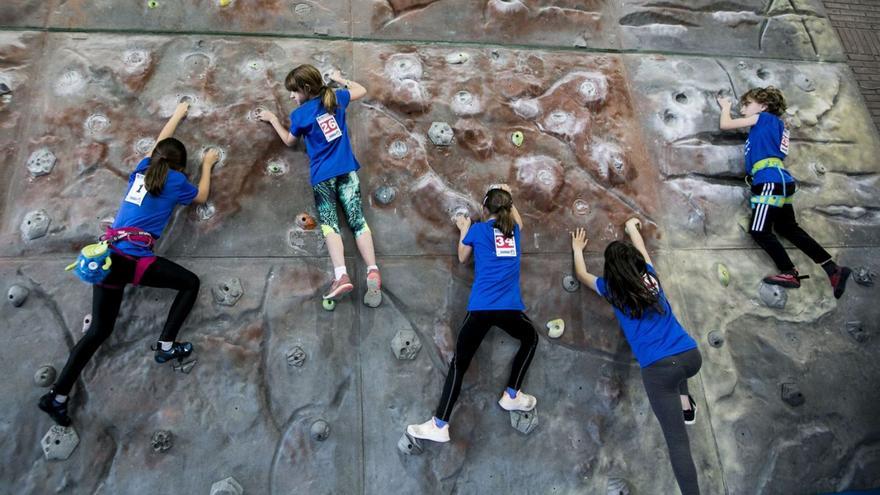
(592, 111)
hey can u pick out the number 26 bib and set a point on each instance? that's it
(329, 127)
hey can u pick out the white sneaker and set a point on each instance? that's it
(522, 402)
(429, 431)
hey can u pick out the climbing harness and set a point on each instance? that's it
(93, 263)
(769, 199)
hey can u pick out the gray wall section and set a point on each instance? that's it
(628, 125)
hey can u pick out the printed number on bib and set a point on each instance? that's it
(329, 127)
(504, 246)
(138, 190)
(783, 145)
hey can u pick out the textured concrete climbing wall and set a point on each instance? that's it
(289, 398)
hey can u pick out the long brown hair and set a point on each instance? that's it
(499, 202)
(168, 154)
(630, 287)
(307, 79)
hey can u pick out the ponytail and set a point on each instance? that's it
(499, 203)
(168, 154)
(328, 99)
(308, 79)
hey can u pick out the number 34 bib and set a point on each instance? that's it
(504, 246)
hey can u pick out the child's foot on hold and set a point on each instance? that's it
(520, 402)
(179, 350)
(56, 410)
(340, 287)
(789, 279)
(838, 280)
(429, 430)
(373, 296)
(690, 415)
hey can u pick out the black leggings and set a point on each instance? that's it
(163, 273)
(665, 381)
(475, 327)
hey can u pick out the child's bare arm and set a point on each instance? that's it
(464, 251)
(632, 227)
(171, 126)
(285, 135)
(727, 123)
(578, 243)
(355, 88)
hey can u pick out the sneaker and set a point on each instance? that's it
(56, 410)
(789, 280)
(838, 280)
(339, 288)
(522, 402)
(690, 416)
(373, 296)
(429, 431)
(179, 350)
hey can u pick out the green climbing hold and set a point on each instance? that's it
(723, 275)
(329, 304)
(152, 4)
(517, 138)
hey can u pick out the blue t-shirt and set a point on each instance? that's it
(326, 137)
(768, 138)
(655, 335)
(149, 212)
(496, 267)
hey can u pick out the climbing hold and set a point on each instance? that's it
(17, 295)
(45, 376)
(221, 159)
(320, 430)
(302, 9)
(59, 442)
(398, 149)
(517, 138)
(328, 304)
(184, 367)
(41, 162)
(4, 89)
(524, 421)
(555, 328)
(87, 322)
(570, 283)
(227, 486)
(224, 3)
(457, 58)
(228, 292)
(723, 274)
(855, 330)
(406, 344)
(440, 134)
(152, 4)
(792, 395)
(306, 221)
(161, 440)
(863, 276)
(206, 211)
(580, 207)
(465, 103)
(384, 195)
(296, 357)
(97, 123)
(143, 146)
(276, 168)
(408, 445)
(819, 169)
(35, 225)
(773, 296)
(804, 83)
(617, 486)
(716, 339)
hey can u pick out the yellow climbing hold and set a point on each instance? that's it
(224, 3)
(723, 275)
(517, 138)
(152, 4)
(555, 328)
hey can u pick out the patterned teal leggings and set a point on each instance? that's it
(347, 188)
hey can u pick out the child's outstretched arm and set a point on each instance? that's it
(463, 223)
(171, 125)
(208, 162)
(726, 123)
(632, 227)
(284, 133)
(356, 89)
(578, 243)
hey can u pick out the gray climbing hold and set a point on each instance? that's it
(457, 58)
(227, 486)
(617, 486)
(440, 134)
(161, 440)
(59, 442)
(792, 395)
(4, 89)
(398, 149)
(87, 322)
(35, 225)
(524, 421)
(320, 430)
(206, 211)
(406, 344)
(302, 9)
(716, 339)
(228, 292)
(184, 367)
(570, 283)
(17, 295)
(856, 331)
(863, 276)
(408, 445)
(45, 376)
(41, 162)
(773, 296)
(296, 357)
(384, 195)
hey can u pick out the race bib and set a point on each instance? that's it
(651, 284)
(504, 246)
(783, 145)
(329, 127)
(138, 190)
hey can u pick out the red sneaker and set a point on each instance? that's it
(339, 288)
(838, 280)
(789, 280)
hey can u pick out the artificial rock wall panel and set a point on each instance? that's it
(287, 397)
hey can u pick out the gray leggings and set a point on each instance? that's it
(665, 380)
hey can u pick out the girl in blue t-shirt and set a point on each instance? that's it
(668, 356)
(772, 188)
(495, 301)
(156, 186)
(320, 121)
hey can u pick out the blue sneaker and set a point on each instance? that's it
(179, 350)
(56, 410)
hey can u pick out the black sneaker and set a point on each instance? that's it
(179, 350)
(690, 416)
(56, 410)
(838, 280)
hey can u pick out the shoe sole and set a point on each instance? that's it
(415, 435)
(695, 415)
(339, 292)
(841, 285)
(787, 285)
(517, 409)
(49, 412)
(373, 296)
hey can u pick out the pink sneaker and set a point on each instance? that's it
(339, 288)
(373, 296)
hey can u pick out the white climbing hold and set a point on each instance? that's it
(555, 328)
